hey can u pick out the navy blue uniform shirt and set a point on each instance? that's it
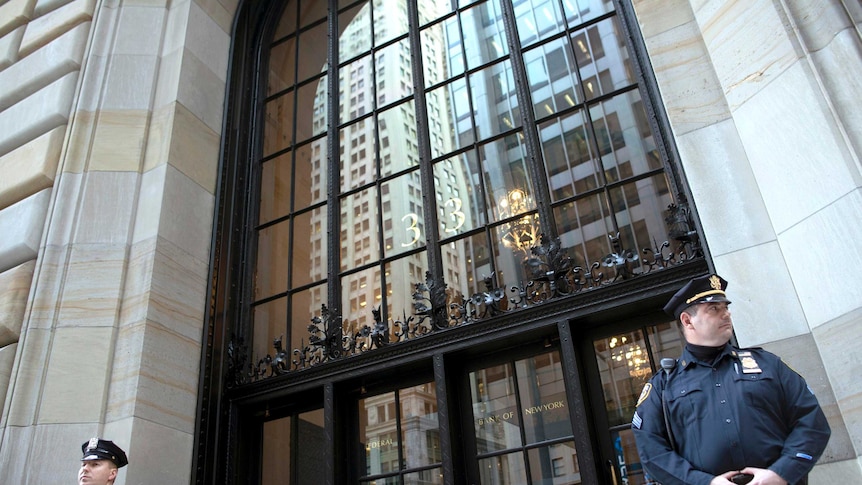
(746, 409)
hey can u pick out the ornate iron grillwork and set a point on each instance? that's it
(553, 274)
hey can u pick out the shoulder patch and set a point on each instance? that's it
(637, 421)
(644, 394)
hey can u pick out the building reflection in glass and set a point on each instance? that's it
(399, 436)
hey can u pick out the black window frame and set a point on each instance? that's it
(225, 402)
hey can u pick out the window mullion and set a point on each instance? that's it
(429, 202)
(532, 143)
(443, 416)
(333, 289)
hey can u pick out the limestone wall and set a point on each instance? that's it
(763, 97)
(110, 120)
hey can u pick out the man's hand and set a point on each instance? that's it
(724, 478)
(763, 476)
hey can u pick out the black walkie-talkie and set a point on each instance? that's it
(742, 478)
(667, 365)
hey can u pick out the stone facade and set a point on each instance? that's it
(110, 121)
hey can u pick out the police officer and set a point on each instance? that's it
(101, 462)
(720, 414)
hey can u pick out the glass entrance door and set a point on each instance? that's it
(520, 423)
(625, 361)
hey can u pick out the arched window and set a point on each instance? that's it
(421, 165)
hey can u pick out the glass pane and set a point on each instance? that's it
(496, 420)
(443, 57)
(358, 297)
(278, 125)
(358, 166)
(359, 221)
(466, 264)
(282, 66)
(628, 463)
(383, 481)
(312, 52)
(537, 20)
(459, 199)
(625, 139)
(399, 147)
(639, 207)
(509, 188)
(624, 368)
(567, 155)
(311, 445)
(420, 433)
(495, 100)
(430, 11)
(503, 469)
(550, 71)
(309, 247)
(354, 89)
(440, 128)
(580, 11)
(555, 465)
(270, 276)
(583, 226)
(355, 24)
(517, 238)
(287, 23)
(390, 19)
(603, 58)
(378, 434)
(304, 306)
(403, 219)
(275, 468)
(394, 64)
(311, 181)
(665, 340)
(484, 33)
(512, 242)
(275, 187)
(311, 110)
(270, 324)
(543, 398)
(450, 102)
(311, 11)
(401, 277)
(433, 476)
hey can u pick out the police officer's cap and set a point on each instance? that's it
(98, 449)
(704, 289)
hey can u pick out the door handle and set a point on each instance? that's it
(613, 471)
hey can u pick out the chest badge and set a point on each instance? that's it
(749, 365)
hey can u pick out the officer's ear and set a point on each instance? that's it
(685, 320)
